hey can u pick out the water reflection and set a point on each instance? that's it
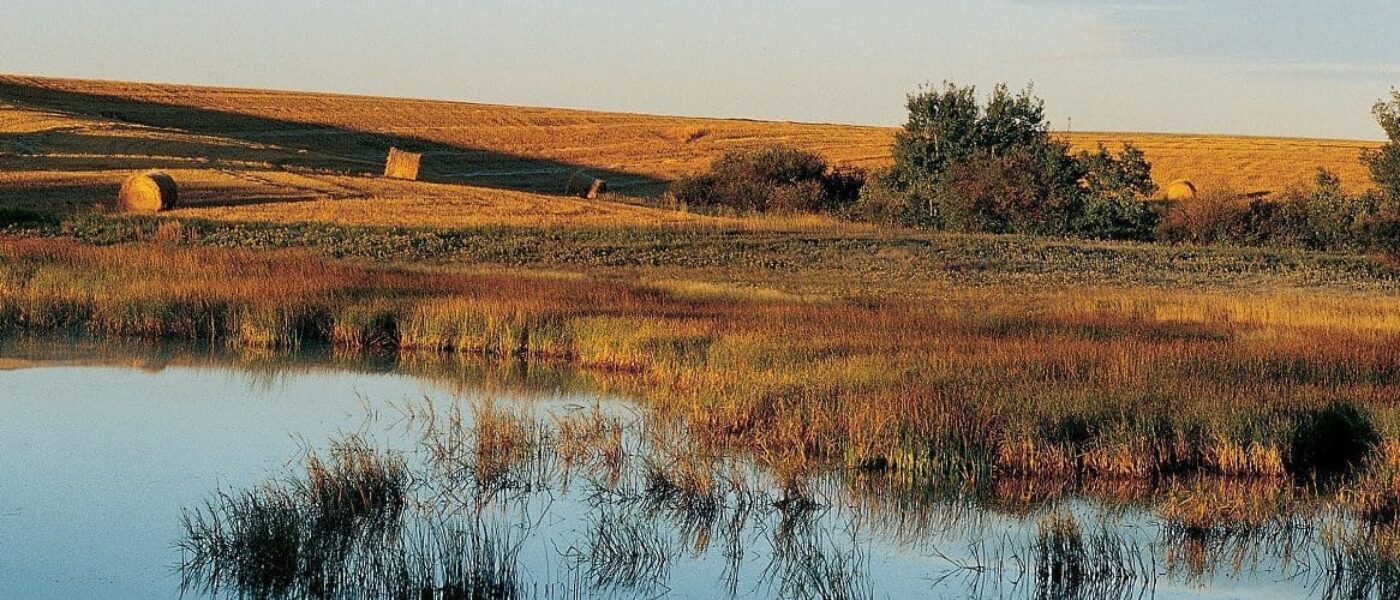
(437, 478)
(629, 507)
(260, 371)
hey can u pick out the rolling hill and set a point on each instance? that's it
(290, 156)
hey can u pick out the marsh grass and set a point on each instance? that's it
(1363, 562)
(490, 452)
(806, 564)
(362, 523)
(1110, 383)
(1070, 563)
(626, 551)
(593, 442)
(298, 537)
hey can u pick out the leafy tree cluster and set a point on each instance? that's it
(995, 167)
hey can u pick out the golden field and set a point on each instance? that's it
(289, 156)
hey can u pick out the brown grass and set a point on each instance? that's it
(1123, 382)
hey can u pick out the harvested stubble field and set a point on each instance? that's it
(256, 155)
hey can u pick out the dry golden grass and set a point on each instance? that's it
(290, 156)
(1242, 163)
(417, 204)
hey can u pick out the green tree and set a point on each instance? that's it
(996, 167)
(1129, 173)
(1385, 161)
(1115, 190)
(942, 129)
(963, 165)
(946, 126)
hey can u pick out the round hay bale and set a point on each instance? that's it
(152, 191)
(1179, 190)
(584, 185)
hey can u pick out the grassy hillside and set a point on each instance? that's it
(290, 156)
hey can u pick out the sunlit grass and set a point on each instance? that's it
(1118, 382)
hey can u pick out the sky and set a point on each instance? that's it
(1288, 67)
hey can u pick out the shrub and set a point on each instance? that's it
(1216, 215)
(842, 185)
(1116, 217)
(801, 197)
(777, 178)
(1023, 191)
(1331, 439)
(1332, 220)
(883, 200)
(1324, 219)
(1265, 222)
(1382, 232)
(19, 218)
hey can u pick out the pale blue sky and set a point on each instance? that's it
(1291, 67)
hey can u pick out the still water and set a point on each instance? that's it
(105, 453)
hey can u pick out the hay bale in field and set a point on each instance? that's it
(152, 191)
(587, 186)
(1179, 190)
(402, 165)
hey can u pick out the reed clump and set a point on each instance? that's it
(1070, 563)
(592, 441)
(287, 539)
(1362, 562)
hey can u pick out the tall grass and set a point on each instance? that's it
(1119, 382)
(1101, 564)
(302, 537)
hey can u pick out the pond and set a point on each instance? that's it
(152, 472)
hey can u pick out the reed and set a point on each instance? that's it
(296, 537)
(1362, 563)
(627, 551)
(592, 441)
(1101, 564)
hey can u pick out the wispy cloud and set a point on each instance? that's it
(1322, 68)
